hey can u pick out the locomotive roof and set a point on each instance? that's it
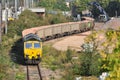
(31, 36)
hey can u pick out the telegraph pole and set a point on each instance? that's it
(38, 2)
(24, 4)
(27, 3)
(32, 3)
(0, 21)
(6, 17)
(16, 9)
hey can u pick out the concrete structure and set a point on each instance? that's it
(39, 11)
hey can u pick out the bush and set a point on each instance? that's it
(28, 19)
(4, 60)
(69, 55)
(54, 58)
(68, 74)
(90, 63)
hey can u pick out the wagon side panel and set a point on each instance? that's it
(74, 26)
(57, 30)
(40, 33)
(65, 28)
(48, 31)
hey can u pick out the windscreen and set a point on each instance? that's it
(28, 45)
(36, 45)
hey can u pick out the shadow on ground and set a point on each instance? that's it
(16, 52)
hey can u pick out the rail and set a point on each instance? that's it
(39, 72)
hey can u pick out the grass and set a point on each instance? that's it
(7, 67)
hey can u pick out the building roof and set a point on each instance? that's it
(37, 9)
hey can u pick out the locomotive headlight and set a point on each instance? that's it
(38, 53)
(26, 54)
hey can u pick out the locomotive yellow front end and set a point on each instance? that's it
(32, 49)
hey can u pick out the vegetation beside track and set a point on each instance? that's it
(8, 69)
(71, 63)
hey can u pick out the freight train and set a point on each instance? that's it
(64, 29)
(32, 37)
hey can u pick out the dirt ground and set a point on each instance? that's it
(72, 42)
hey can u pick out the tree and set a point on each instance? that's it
(113, 8)
(26, 20)
(109, 49)
(54, 5)
(90, 59)
(111, 62)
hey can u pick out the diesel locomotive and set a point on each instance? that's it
(32, 48)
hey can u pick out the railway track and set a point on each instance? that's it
(60, 38)
(33, 72)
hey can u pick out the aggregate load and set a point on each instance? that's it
(112, 24)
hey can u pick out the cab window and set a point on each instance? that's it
(36, 45)
(28, 45)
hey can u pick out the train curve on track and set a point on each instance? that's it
(38, 30)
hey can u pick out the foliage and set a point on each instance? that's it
(29, 19)
(82, 4)
(113, 7)
(54, 19)
(109, 49)
(111, 62)
(110, 6)
(68, 76)
(54, 5)
(3, 67)
(20, 76)
(26, 20)
(69, 55)
(90, 63)
(55, 58)
(71, 68)
(59, 59)
(5, 62)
